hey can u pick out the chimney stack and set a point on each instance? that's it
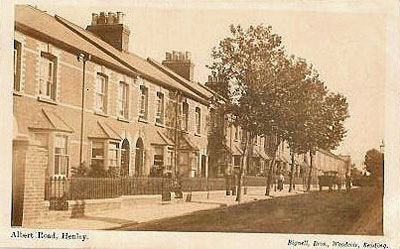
(111, 29)
(180, 63)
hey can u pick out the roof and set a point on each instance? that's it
(48, 120)
(187, 144)
(194, 86)
(131, 60)
(70, 36)
(162, 139)
(103, 130)
(46, 27)
(261, 154)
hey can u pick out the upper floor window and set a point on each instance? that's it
(185, 116)
(198, 119)
(123, 100)
(160, 108)
(143, 102)
(17, 66)
(61, 156)
(48, 73)
(236, 133)
(101, 93)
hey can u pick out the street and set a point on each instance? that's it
(358, 211)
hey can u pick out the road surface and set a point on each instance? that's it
(358, 211)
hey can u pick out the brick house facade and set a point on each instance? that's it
(81, 98)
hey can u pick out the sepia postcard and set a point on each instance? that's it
(200, 124)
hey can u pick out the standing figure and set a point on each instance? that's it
(280, 182)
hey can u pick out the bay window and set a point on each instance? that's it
(113, 149)
(61, 156)
(97, 160)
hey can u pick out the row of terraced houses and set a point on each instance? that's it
(82, 99)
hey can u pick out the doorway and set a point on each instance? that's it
(125, 154)
(139, 157)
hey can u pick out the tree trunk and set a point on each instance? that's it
(270, 171)
(310, 173)
(239, 190)
(291, 174)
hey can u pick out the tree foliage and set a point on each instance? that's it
(373, 161)
(273, 94)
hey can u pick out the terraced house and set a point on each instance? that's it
(81, 98)
(84, 104)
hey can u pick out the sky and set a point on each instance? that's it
(346, 47)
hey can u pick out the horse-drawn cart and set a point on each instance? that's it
(329, 179)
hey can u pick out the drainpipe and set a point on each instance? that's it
(84, 58)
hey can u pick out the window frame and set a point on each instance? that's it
(17, 66)
(123, 100)
(46, 81)
(144, 102)
(185, 116)
(160, 108)
(117, 154)
(57, 170)
(197, 112)
(103, 95)
(103, 158)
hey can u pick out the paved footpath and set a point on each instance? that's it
(128, 216)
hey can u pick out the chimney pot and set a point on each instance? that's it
(188, 55)
(94, 18)
(107, 26)
(180, 63)
(120, 17)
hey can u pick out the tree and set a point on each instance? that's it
(373, 161)
(243, 61)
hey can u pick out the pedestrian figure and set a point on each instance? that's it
(280, 182)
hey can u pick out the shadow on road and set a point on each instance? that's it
(358, 211)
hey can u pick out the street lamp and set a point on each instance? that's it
(382, 147)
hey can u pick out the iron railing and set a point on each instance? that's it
(80, 188)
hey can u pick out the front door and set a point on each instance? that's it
(203, 165)
(139, 157)
(125, 153)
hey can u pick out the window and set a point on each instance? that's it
(160, 108)
(61, 157)
(236, 133)
(123, 100)
(198, 119)
(48, 72)
(143, 102)
(101, 93)
(17, 66)
(113, 149)
(185, 116)
(170, 158)
(97, 155)
(159, 157)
